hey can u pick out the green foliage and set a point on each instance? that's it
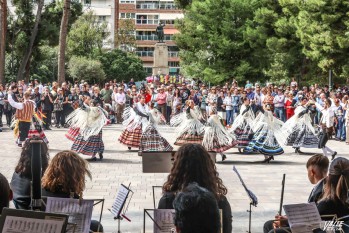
(212, 41)
(86, 69)
(125, 39)
(86, 36)
(51, 20)
(264, 39)
(120, 65)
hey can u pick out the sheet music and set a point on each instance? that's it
(164, 220)
(79, 211)
(303, 217)
(15, 224)
(249, 192)
(120, 200)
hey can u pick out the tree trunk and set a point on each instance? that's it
(29, 50)
(3, 30)
(63, 41)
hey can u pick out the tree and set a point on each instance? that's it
(212, 41)
(63, 41)
(3, 31)
(86, 36)
(120, 65)
(125, 38)
(25, 62)
(87, 69)
(322, 27)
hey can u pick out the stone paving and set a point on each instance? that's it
(121, 166)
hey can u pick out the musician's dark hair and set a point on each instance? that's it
(193, 164)
(320, 161)
(337, 182)
(23, 167)
(5, 192)
(196, 210)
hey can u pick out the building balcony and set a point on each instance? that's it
(145, 53)
(153, 37)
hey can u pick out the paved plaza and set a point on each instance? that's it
(121, 166)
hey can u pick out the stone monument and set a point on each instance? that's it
(160, 65)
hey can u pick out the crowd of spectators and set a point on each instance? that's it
(57, 101)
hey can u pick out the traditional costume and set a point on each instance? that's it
(87, 122)
(189, 127)
(326, 123)
(241, 127)
(35, 129)
(216, 137)
(299, 131)
(151, 140)
(24, 115)
(265, 141)
(134, 119)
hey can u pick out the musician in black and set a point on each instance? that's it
(317, 167)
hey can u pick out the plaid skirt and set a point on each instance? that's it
(243, 136)
(303, 138)
(34, 132)
(151, 140)
(189, 138)
(259, 144)
(91, 146)
(220, 148)
(131, 138)
(72, 133)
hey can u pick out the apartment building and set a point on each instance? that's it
(147, 14)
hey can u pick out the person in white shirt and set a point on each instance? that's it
(120, 100)
(229, 108)
(326, 122)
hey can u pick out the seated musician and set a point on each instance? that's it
(5, 193)
(317, 167)
(196, 211)
(65, 178)
(193, 164)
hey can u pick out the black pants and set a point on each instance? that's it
(59, 118)
(1, 113)
(23, 130)
(47, 120)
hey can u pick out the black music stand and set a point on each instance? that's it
(120, 212)
(252, 197)
(155, 187)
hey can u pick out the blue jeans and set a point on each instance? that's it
(280, 113)
(339, 128)
(230, 117)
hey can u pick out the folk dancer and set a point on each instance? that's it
(216, 137)
(151, 140)
(89, 119)
(134, 119)
(299, 130)
(242, 126)
(265, 141)
(24, 115)
(326, 124)
(189, 125)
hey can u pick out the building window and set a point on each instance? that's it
(87, 2)
(173, 64)
(147, 19)
(102, 18)
(127, 1)
(127, 15)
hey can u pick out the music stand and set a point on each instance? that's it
(144, 214)
(119, 208)
(155, 187)
(252, 197)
